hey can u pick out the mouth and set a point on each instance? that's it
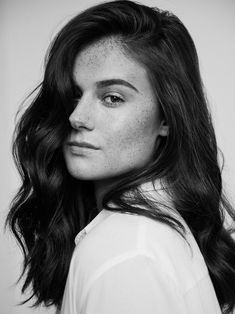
(82, 145)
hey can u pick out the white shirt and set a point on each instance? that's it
(131, 264)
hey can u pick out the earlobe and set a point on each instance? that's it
(164, 128)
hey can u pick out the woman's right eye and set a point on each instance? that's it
(76, 98)
(77, 94)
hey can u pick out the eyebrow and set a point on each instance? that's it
(105, 83)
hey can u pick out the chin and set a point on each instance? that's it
(84, 174)
(90, 174)
(84, 170)
(79, 170)
(81, 175)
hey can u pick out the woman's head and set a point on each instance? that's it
(115, 110)
(162, 125)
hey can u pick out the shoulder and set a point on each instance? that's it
(114, 236)
(130, 253)
(123, 236)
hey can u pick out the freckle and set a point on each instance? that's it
(99, 49)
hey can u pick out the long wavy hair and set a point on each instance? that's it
(51, 206)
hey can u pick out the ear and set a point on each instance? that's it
(163, 128)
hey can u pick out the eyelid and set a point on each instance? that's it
(77, 95)
(115, 94)
(111, 104)
(77, 92)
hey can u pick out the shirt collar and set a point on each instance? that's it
(153, 190)
(100, 217)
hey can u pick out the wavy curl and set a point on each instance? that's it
(51, 207)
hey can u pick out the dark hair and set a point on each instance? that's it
(51, 206)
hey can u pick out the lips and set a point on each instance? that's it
(82, 144)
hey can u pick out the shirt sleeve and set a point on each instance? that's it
(134, 286)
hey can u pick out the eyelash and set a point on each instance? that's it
(119, 99)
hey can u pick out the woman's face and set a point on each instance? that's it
(115, 111)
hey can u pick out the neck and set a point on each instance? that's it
(101, 187)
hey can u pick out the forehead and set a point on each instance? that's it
(105, 59)
(99, 49)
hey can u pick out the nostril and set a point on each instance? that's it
(76, 124)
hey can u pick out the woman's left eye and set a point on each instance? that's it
(112, 100)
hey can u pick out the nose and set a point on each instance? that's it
(82, 115)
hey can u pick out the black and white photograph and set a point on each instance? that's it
(118, 157)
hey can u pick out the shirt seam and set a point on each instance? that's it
(204, 276)
(110, 264)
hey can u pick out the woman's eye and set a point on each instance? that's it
(77, 94)
(77, 97)
(112, 100)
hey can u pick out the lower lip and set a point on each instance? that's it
(79, 150)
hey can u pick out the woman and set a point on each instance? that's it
(118, 150)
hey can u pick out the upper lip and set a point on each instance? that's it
(82, 144)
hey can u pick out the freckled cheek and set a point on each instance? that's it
(129, 136)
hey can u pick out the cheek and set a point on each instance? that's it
(133, 135)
